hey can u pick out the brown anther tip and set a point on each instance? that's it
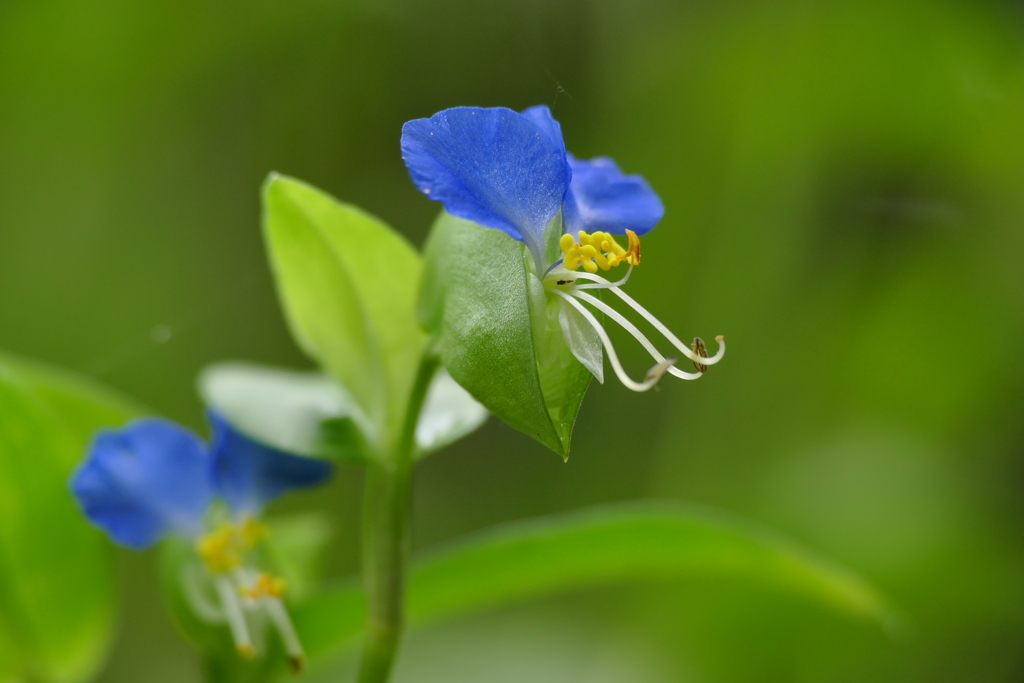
(297, 664)
(719, 339)
(247, 651)
(699, 349)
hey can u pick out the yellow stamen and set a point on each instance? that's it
(251, 533)
(598, 250)
(219, 550)
(633, 255)
(223, 548)
(265, 586)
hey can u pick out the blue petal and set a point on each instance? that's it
(494, 167)
(145, 481)
(248, 474)
(603, 198)
(541, 117)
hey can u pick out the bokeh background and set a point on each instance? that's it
(844, 185)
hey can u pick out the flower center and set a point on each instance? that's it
(223, 549)
(266, 585)
(598, 250)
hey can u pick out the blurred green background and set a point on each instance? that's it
(844, 185)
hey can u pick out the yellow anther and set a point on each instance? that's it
(633, 255)
(598, 250)
(223, 548)
(265, 586)
(219, 549)
(251, 533)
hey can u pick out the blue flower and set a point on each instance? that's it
(153, 479)
(510, 171)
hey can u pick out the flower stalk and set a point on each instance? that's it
(386, 538)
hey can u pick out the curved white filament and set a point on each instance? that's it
(658, 325)
(602, 283)
(197, 599)
(229, 600)
(637, 334)
(653, 375)
(279, 616)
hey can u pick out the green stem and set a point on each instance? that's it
(386, 538)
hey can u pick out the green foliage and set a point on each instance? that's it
(308, 413)
(348, 285)
(540, 557)
(498, 334)
(56, 583)
(449, 413)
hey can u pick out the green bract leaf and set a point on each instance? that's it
(56, 586)
(612, 543)
(449, 413)
(348, 285)
(306, 413)
(498, 334)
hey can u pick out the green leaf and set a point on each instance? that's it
(306, 413)
(449, 413)
(56, 584)
(525, 560)
(498, 333)
(348, 285)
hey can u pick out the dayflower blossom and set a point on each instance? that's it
(510, 171)
(153, 479)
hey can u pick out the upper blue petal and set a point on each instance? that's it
(541, 117)
(601, 197)
(145, 481)
(494, 167)
(248, 474)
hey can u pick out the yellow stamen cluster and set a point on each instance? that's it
(223, 548)
(598, 250)
(265, 586)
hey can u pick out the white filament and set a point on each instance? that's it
(197, 598)
(229, 600)
(653, 375)
(600, 282)
(637, 334)
(649, 317)
(279, 615)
